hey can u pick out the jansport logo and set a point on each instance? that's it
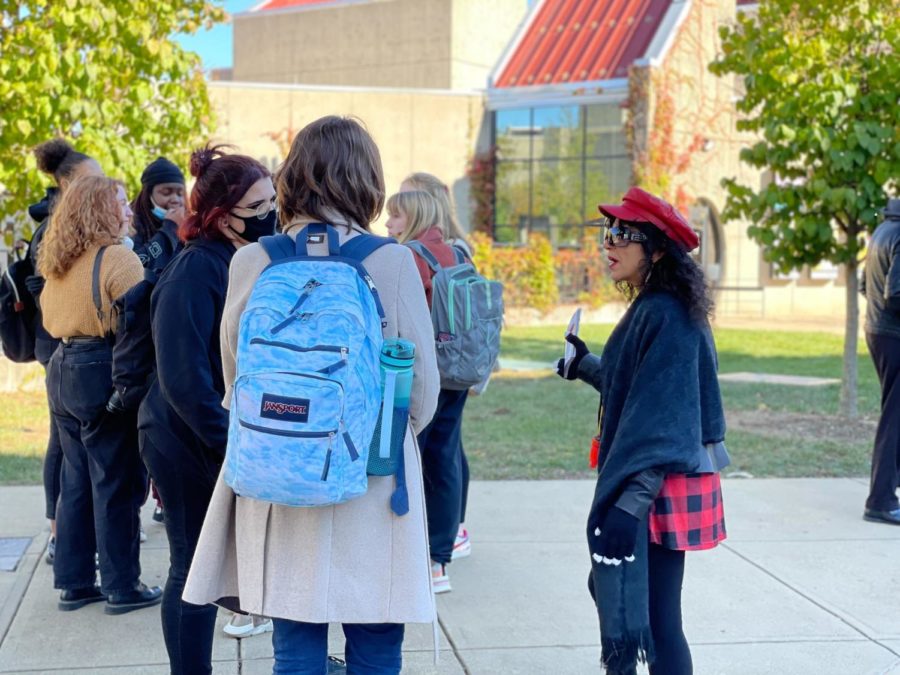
(284, 408)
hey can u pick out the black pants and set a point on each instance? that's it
(464, 463)
(52, 462)
(666, 576)
(665, 573)
(885, 352)
(99, 473)
(441, 446)
(185, 487)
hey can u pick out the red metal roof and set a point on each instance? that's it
(284, 4)
(582, 40)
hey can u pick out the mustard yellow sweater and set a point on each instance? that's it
(68, 303)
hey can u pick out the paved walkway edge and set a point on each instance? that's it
(24, 573)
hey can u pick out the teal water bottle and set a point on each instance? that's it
(386, 450)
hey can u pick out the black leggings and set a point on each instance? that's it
(666, 572)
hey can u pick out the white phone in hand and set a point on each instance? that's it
(572, 329)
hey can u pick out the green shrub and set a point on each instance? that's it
(534, 276)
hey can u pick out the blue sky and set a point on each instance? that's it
(214, 46)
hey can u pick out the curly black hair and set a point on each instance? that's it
(675, 271)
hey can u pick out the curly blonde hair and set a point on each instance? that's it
(86, 215)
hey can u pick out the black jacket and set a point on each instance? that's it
(184, 403)
(45, 344)
(881, 282)
(159, 249)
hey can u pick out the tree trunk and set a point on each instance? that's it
(849, 392)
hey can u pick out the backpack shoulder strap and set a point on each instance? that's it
(358, 249)
(317, 233)
(277, 246)
(95, 284)
(425, 254)
(362, 246)
(461, 257)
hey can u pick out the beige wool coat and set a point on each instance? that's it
(355, 562)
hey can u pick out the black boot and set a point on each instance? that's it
(76, 598)
(138, 598)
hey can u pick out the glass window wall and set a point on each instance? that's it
(554, 165)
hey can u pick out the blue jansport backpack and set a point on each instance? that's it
(308, 389)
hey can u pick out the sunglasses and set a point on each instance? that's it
(618, 236)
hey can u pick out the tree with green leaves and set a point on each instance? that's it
(104, 73)
(822, 88)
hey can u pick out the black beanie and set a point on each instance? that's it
(161, 171)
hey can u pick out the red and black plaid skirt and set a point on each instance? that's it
(688, 514)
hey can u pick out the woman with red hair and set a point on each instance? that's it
(182, 424)
(86, 267)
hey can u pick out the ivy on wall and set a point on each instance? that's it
(481, 172)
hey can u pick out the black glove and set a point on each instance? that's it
(34, 284)
(581, 351)
(618, 534)
(115, 405)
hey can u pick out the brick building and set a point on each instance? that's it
(557, 88)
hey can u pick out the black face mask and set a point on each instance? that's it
(255, 228)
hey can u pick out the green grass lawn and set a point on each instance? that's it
(535, 425)
(23, 437)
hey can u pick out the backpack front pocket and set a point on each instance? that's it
(284, 436)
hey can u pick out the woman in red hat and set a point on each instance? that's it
(660, 444)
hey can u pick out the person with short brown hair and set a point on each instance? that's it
(354, 563)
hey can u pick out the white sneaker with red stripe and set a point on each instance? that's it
(440, 580)
(462, 547)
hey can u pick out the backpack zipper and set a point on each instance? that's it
(343, 351)
(328, 456)
(288, 433)
(310, 286)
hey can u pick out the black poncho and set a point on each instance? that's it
(660, 404)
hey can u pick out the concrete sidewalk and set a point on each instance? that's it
(803, 585)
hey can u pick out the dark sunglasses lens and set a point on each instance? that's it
(615, 235)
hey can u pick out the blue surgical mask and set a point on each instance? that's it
(128, 242)
(158, 211)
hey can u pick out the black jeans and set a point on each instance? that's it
(52, 462)
(185, 488)
(885, 352)
(464, 465)
(441, 446)
(99, 473)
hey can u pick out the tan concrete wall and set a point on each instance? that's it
(425, 44)
(481, 32)
(415, 131)
(392, 43)
(704, 107)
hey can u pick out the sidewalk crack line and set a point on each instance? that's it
(809, 599)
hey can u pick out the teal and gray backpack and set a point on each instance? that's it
(467, 316)
(308, 388)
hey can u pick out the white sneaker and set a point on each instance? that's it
(247, 625)
(440, 580)
(142, 535)
(462, 547)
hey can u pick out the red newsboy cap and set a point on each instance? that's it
(639, 206)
